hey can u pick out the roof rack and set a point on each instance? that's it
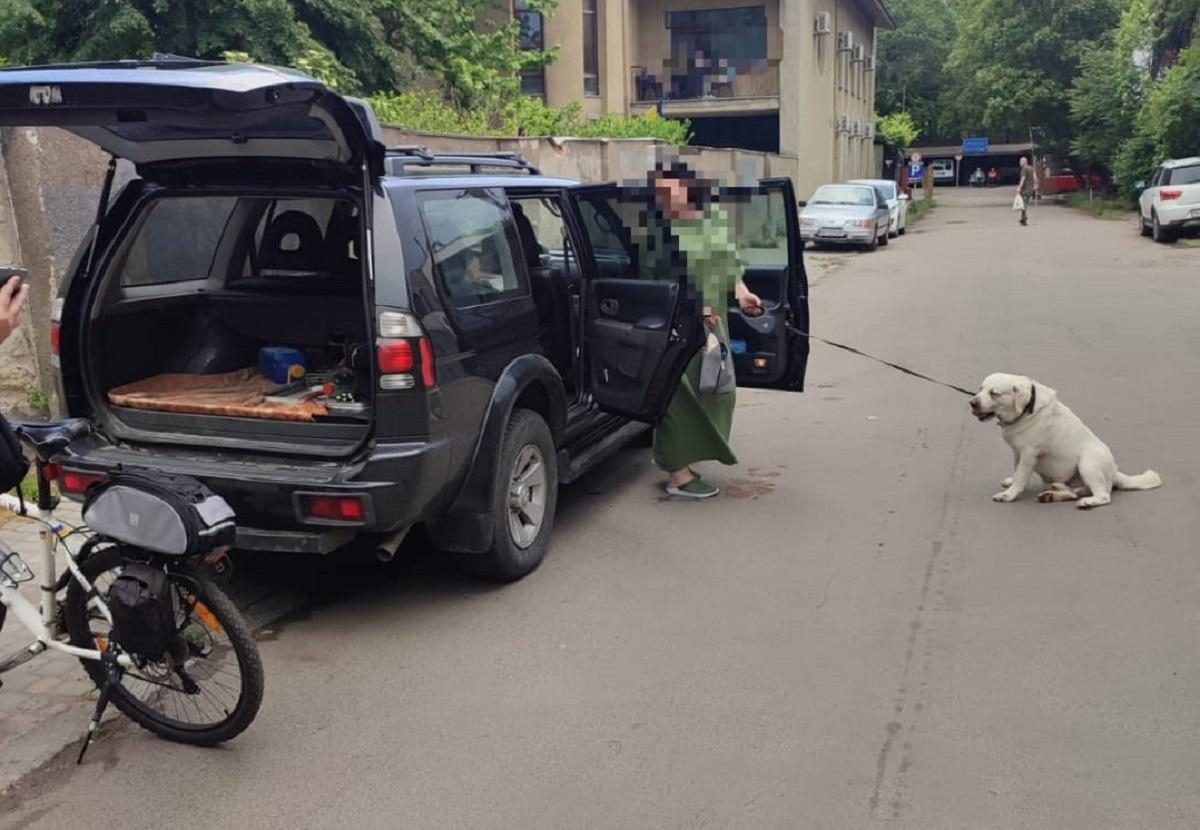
(401, 158)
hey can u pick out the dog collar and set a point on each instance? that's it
(1028, 410)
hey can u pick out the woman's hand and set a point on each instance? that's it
(12, 298)
(746, 298)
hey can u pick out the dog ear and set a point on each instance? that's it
(1022, 392)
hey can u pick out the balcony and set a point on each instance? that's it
(698, 92)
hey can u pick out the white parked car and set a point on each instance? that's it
(897, 203)
(1170, 203)
(845, 214)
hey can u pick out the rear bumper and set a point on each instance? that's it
(401, 483)
(1178, 216)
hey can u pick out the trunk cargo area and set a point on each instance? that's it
(231, 320)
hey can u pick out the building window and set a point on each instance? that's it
(531, 37)
(711, 45)
(591, 49)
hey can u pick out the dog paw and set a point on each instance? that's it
(1046, 496)
(1005, 496)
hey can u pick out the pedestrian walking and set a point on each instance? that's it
(1027, 188)
(685, 229)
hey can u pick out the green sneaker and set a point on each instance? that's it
(694, 489)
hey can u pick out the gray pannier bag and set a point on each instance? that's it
(716, 366)
(160, 513)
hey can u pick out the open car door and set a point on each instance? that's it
(770, 350)
(641, 323)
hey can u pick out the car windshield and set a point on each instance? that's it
(834, 194)
(886, 189)
(1186, 175)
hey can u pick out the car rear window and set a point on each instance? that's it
(1184, 175)
(177, 240)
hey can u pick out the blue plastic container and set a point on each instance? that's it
(276, 363)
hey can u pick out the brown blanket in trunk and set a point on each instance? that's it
(237, 394)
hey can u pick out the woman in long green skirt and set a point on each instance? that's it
(697, 424)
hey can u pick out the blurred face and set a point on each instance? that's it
(672, 195)
(1024, 162)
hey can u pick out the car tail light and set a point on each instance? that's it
(51, 472)
(403, 353)
(56, 310)
(76, 483)
(428, 368)
(395, 356)
(1168, 195)
(334, 508)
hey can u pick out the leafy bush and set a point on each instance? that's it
(428, 112)
(898, 130)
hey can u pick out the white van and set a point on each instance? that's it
(943, 170)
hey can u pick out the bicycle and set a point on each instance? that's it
(199, 683)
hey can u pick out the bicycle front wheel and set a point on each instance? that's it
(205, 692)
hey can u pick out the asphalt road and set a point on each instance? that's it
(853, 635)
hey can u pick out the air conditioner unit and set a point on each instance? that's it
(843, 123)
(859, 54)
(869, 64)
(869, 131)
(845, 41)
(854, 128)
(823, 25)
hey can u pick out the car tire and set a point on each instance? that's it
(523, 502)
(884, 240)
(872, 245)
(1160, 233)
(1142, 226)
(903, 230)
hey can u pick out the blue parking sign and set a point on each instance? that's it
(916, 170)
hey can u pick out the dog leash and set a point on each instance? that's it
(887, 363)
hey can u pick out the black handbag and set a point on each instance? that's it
(13, 463)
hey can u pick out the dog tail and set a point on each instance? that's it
(1146, 481)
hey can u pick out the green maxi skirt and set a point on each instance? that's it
(696, 426)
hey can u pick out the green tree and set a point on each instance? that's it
(910, 58)
(1166, 126)
(898, 130)
(1014, 61)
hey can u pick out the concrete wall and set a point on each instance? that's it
(50, 182)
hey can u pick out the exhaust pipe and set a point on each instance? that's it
(385, 551)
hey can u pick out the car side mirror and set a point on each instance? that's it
(904, 197)
(1139, 185)
(802, 203)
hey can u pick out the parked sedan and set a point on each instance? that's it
(845, 214)
(897, 203)
(1170, 204)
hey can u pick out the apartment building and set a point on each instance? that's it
(788, 76)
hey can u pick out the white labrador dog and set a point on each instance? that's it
(1047, 438)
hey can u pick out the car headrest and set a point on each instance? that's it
(292, 242)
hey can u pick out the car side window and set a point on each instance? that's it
(177, 240)
(473, 245)
(1157, 178)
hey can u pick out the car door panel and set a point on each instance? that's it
(640, 329)
(770, 350)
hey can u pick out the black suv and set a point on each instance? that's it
(473, 333)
